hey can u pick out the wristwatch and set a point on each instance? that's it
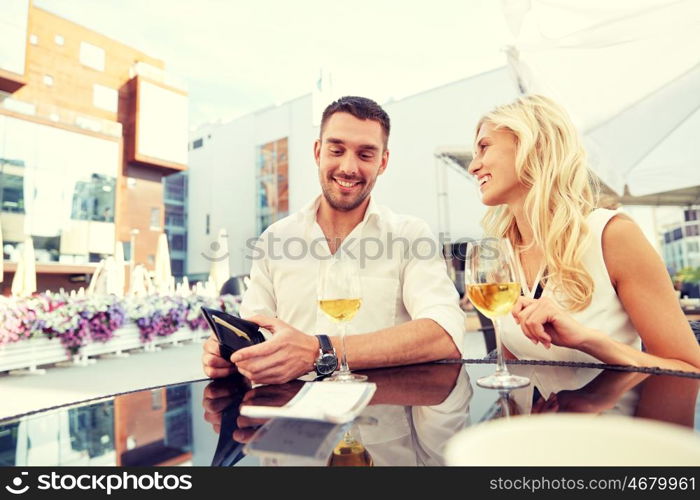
(327, 361)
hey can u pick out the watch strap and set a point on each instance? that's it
(325, 344)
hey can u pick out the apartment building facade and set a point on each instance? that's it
(89, 127)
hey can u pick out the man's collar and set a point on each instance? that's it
(310, 210)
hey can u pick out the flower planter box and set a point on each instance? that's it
(40, 351)
(182, 335)
(31, 354)
(125, 338)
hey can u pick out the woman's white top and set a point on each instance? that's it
(605, 312)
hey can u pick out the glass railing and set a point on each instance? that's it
(62, 116)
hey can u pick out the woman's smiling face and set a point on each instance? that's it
(493, 166)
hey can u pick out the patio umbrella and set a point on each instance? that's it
(24, 282)
(119, 264)
(96, 285)
(17, 280)
(162, 273)
(29, 267)
(137, 282)
(629, 74)
(185, 290)
(110, 281)
(220, 270)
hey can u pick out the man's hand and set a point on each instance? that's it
(286, 356)
(218, 398)
(214, 365)
(219, 395)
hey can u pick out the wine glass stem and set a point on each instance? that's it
(505, 400)
(343, 355)
(500, 362)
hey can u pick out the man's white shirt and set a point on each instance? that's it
(403, 276)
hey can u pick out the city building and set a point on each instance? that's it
(89, 127)
(151, 427)
(245, 174)
(681, 242)
(175, 199)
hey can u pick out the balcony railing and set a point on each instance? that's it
(62, 116)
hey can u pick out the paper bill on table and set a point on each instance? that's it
(292, 441)
(336, 402)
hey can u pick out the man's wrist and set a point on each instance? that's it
(327, 360)
(313, 351)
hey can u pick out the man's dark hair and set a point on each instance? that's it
(361, 108)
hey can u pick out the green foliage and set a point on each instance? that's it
(688, 275)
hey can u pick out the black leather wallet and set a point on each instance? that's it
(232, 332)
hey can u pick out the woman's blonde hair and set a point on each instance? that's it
(550, 161)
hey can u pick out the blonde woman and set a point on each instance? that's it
(604, 290)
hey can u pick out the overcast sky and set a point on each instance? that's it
(239, 56)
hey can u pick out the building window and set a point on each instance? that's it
(48, 80)
(91, 431)
(177, 267)
(127, 250)
(677, 234)
(92, 56)
(198, 143)
(12, 186)
(59, 40)
(691, 215)
(692, 230)
(272, 183)
(174, 215)
(96, 257)
(177, 242)
(155, 218)
(105, 98)
(175, 187)
(94, 200)
(33, 39)
(693, 247)
(156, 399)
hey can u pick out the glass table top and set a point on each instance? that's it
(414, 412)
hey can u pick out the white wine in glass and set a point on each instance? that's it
(340, 309)
(493, 288)
(350, 453)
(494, 299)
(339, 297)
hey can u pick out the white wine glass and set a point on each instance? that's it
(339, 296)
(350, 452)
(493, 288)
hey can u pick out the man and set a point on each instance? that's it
(409, 311)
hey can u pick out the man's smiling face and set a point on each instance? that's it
(350, 155)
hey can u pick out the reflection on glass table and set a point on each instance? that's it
(414, 412)
(152, 427)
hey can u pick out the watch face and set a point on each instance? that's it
(326, 364)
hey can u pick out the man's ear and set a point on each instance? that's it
(317, 152)
(385, 162)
